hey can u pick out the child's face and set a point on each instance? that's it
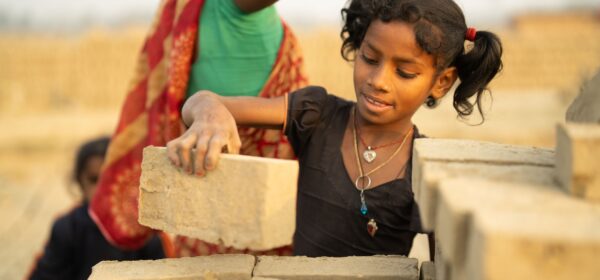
(89, 176)
(393, 76)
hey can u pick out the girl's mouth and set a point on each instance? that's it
(374, 104)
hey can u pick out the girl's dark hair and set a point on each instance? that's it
(96, 147)
(440, 29)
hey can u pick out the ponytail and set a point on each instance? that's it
(476, 69)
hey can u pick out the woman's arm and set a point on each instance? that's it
(250, 6)
(213, 120)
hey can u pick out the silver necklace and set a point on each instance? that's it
(372, 224)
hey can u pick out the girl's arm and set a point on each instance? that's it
(212, 122)
(250, 6)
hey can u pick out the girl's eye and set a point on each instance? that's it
(368, 60)
(405, 75)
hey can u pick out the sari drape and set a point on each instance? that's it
(151, 115)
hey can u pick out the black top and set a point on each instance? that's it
(328, 219)
(76, 245)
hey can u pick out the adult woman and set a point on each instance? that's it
(174, 62)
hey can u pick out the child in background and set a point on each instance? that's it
(354, 187)
(75, 243)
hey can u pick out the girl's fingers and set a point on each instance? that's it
(234, 144)
(199, 148)
(214, 151)
(184, 150)
(172, 152)
(200, 154)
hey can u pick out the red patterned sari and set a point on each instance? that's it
(151, 116)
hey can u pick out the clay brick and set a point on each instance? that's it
(246, 202)
(208, 267)
(480, 152)
(578, 159)
(492, 230)
(586, 106)
(442, 267)
(420, 248)
(374, 267)
(427, 271)
(438, 159)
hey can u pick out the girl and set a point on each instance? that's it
(354, 187)
(76, 244)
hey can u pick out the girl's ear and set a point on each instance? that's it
(444, 82)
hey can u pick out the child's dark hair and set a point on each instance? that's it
(440, 29)
(96, 147)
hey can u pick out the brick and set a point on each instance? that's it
(437, 159)
(420, 248)
(373, 267)
(578, 159)
(442, 267)
(427, 271)
(585, 108)
(516, 246)
(492, 230)
(246, 202)
(480, 152)
(235, 267)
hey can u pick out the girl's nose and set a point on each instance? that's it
(379, 79)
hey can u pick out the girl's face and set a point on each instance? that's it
(89, 176)
(393, 76)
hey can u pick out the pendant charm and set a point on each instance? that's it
(363, 209)
(372, 227)
(369, 155)
(363, 203)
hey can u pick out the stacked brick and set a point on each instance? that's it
(498, 211)
(240, 267)
(510, 212)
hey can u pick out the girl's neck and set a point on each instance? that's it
(375, 134)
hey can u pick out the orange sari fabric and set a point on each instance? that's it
(151, 116)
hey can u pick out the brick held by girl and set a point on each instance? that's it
(354, 187)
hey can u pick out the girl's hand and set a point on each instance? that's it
(212, 128)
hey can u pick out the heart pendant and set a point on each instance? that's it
(372, 227)
(369, 155)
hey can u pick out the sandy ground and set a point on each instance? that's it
(36, 153)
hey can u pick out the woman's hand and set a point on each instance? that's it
(212, 128)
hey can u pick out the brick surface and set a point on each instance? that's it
(374, 267)
(480, 152)
(437, 159)
(578, 159)
(246, 202)
(586, 106)
(442, 267)
(234, 267)
(427, 271)
(492, 230)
